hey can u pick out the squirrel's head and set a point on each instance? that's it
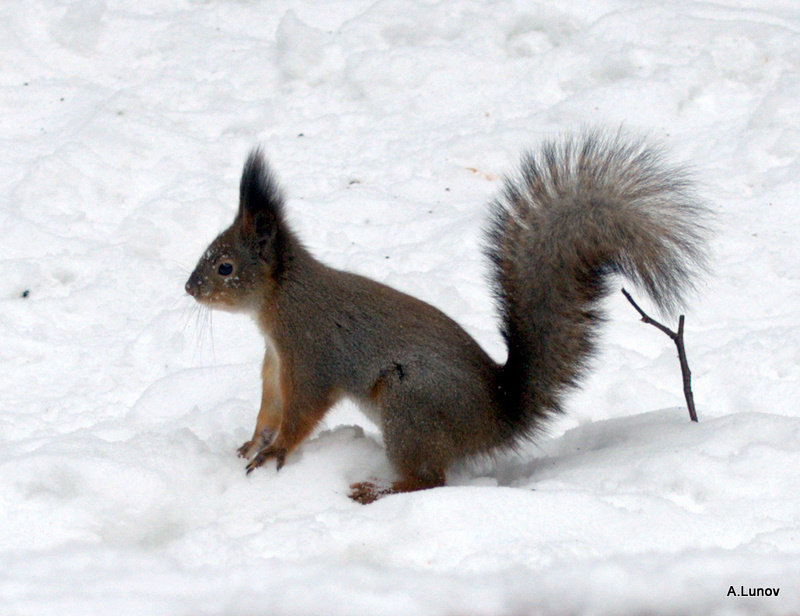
(244, 264)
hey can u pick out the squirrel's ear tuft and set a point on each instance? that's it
(259, 192)
(261, 211)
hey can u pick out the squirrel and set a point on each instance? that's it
(581, 210)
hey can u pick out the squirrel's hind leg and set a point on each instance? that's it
(416, 442)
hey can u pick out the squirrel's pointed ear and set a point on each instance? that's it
(260, 198)
(261, 209)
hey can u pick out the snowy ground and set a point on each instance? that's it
(124, 125)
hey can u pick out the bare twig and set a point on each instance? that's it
(677, 338)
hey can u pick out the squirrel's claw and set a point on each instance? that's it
(264, 455)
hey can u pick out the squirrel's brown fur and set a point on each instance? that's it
(580, 211)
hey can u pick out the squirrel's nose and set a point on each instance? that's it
(190, 287)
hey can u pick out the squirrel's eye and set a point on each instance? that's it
(225, 269)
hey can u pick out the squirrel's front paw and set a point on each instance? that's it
(265, 454)
(261, 440)
(245, 451)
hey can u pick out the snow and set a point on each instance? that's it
(124, 128)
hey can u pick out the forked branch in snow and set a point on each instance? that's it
(677, 338)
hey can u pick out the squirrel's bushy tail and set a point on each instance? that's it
(583, 210)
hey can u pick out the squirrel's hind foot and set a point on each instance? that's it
(366, 492)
